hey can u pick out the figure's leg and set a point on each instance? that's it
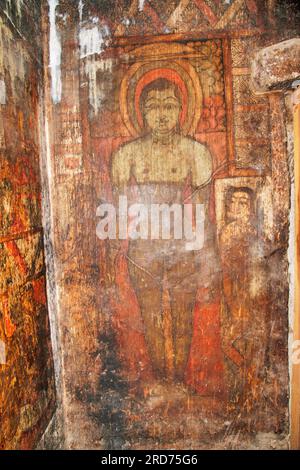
(183, 287)
(148, 289)
(182, 311)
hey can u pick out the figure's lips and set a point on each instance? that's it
(162, 125)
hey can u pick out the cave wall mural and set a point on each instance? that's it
(166, 345)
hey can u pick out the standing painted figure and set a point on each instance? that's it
(165, 167)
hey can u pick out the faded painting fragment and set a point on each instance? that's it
(27, 392)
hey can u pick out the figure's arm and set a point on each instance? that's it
(119, 176)
(201, 171)
(120, 169)
(201, 166)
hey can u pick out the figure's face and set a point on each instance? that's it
(162, 110)
(240, 207)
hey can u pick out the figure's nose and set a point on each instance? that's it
(162, 115)
(235, 209)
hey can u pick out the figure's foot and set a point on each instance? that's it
(164, 394)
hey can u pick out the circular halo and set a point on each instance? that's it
(179, 72)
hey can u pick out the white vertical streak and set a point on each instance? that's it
(291, 259)
(2, 92)
(141, 5)
(55, 53)
(53, 290)
(80, 9)
(19, 8)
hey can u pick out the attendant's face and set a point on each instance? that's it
(161, 111)
(240, 207)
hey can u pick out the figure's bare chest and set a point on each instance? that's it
(161, 164)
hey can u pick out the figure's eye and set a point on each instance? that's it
(170, 107)
(152, 107)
